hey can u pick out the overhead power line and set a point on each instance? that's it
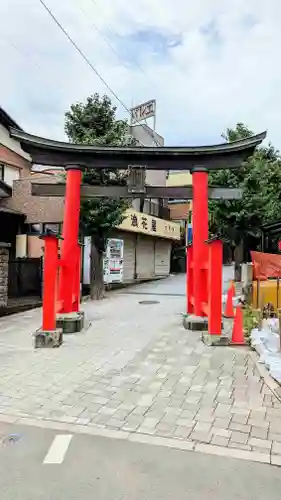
(110, 45)
(86, 59)
(99, 31)
(148, 78)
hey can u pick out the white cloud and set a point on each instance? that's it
(226, 68)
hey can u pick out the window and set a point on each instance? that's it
(38, 228)
(9, 174)
(154, 208)
(32, 229)
(52, 226)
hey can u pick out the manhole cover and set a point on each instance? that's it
(147, 302)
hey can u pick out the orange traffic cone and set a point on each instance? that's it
(237, 332)
(229, 311)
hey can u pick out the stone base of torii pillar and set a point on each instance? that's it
(73, 322)
(195, 323)
(200, 324)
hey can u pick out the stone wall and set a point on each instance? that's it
(4, 270)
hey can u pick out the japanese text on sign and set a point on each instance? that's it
(140, 222)
(134, 220)
(144, 223)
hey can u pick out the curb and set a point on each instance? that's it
(141, 438)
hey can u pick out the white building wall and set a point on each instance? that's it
(145, 135)
(11, 174)
(10, 143)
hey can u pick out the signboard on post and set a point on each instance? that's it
(143, 111)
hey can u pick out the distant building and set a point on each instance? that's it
(180, 209)
(145, 136)
(175, 178)
(15, 164)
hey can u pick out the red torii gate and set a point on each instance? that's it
(204, 256)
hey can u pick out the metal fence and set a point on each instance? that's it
(25, 278)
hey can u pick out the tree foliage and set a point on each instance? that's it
(94, 122)
(259, 178)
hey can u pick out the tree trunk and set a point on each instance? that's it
(96, 281)
(238, 258)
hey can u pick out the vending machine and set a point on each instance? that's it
(113, 261)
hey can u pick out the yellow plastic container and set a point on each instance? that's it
(267, 293)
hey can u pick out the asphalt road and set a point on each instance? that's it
(107, 469)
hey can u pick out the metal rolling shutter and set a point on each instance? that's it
(129, 256)
(145, 257)
(162, 257)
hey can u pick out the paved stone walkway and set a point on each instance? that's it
(136, 370)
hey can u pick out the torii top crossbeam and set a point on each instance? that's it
(54, 153)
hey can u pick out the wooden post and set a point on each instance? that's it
(258, 294)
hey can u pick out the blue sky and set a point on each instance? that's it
(135, 47)
(208, 64)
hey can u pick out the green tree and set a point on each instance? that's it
(259, 178)
(94, 122)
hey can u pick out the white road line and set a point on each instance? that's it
(58, 449)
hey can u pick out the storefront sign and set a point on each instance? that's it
(266, 265)
(147, 224)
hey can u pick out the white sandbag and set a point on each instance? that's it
(271, 360)
(273, 324)
(272, 342)
(267, 344)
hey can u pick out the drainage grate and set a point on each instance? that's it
(149, 302)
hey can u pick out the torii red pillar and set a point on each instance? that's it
(50, 281)
(199, 237)
(70, 237)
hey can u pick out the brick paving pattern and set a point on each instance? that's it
(137, 370)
